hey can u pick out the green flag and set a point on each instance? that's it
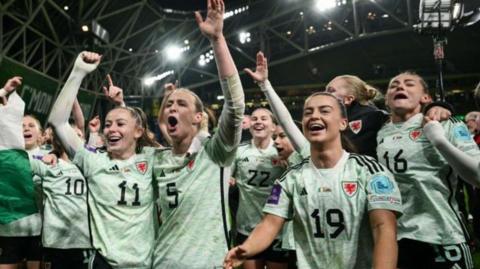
(16, 186)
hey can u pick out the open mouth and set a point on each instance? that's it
(27, 136)
(112, 140)
(172, 121)
(279, 150)
(399, 96)
(258, 127)
(316, 127)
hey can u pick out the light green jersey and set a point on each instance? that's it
(255, 172)
(330, 209)
(65, 219)
(121, 206)
(425, 179)
(288, 239)
(29, 225)
(193, 202)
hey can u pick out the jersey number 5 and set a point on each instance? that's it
(335, 219)
(123, 189)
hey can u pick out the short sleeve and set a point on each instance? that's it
(279, 203)
(383, 192)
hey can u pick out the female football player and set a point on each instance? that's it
(120, 200)
(343, 205)
(192, 177)
(426, 160)
(256, 167)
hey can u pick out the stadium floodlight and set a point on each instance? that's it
(323, 5)
(149, 81)
(245, 37)
(173, 52)
(85, 28)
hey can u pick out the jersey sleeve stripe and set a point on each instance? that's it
(376, 166)
(362, 162)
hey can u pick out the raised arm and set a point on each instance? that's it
(229, 129)
(85, 63)
(278, 107)
(464, 164)
(8, 88)
(78, 116)
(11, 114)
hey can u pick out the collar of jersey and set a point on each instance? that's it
(335, 168)
(415, 120)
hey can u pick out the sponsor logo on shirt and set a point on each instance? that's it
(245, 159)
(303, 192)
(350, 188)
(381, 184)
(275, 195)
(415, 134)
(355, 126)
(114, 169)
(461, 132)
(142, 167)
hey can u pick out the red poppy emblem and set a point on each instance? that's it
(355, 126)
(142, 167)
(350, 188)
(415, 134)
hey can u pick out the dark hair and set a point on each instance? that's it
(341, 105)
(346, 142)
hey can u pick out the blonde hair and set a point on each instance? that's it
(364, 93)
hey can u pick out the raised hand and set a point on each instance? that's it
(438, 113)
(94, 125)
(212, 26)
(113, 93)
(261, 71)
(169, 88)
(235, 257)
(12, 84)
(87, 61)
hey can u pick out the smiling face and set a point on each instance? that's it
(322, 119)
(261, 125)
(182, 115)
(406, 94)
(282, 143)
(31, 132)
(121, 133)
